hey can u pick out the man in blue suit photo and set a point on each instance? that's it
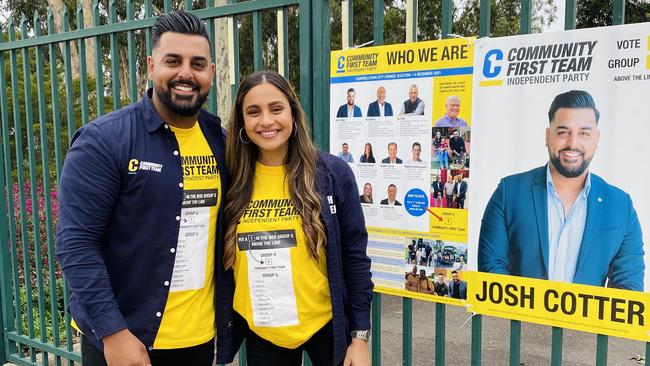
(560, 221)
(349, 109)
(380, 107)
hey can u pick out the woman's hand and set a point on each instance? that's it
(357, 353)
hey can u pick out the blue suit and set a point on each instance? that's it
(343, 111)
(373, 109)
(514, 233)
(462, 289)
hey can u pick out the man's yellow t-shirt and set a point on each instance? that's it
(280, 290)
(188, 319)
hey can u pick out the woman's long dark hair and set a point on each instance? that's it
(300, 166)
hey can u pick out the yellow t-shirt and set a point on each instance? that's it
(279, 289)
(188, 319)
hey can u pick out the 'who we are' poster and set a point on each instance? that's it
(401, 117)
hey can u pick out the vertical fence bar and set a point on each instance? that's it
(411, 20)
(83, 79)
(484, 25)
(6, 281)
(29, 121)
(569, 14)
(525, 16)
(320, 31)
(58, 158)
(447, 17)
(477, 335)
(42, 123)
(54, 90)
(305, 58)
(407, 331)
(556, 346)
(258, 57)
(131, 49)
(212, 98)
(70, 121)
(242, 354)
(618, 12)
(115, 58)
(99, 55)
(378, 26)
(20, 180)
(376, 329)
(440, 334)
(515, 342)
(601, 350)
(148, 13)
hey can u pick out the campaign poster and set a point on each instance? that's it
(401, 117)
(558, 226)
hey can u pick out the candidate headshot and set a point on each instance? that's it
(560, 221)
(392, 195)
(349, 109)
(413, 105)
(366, 196)
(451, 119)
(392, 155)
(416, 151)
(380, 107)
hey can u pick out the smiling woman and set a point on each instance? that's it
(296, 241)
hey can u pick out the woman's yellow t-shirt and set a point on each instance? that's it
(280, 290)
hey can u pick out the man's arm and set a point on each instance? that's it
(493, 243)
(626, 270)
(90, 183)
(419, 110)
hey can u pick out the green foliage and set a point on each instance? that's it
(598, 13)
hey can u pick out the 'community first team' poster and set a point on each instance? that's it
(401, 116)
(560, 213)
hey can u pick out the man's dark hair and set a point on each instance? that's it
(178, 22)
(392, 185)
(350, 90)
(416, 144)
(454, 271)
(573, 99)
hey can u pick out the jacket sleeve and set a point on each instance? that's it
(89, 186)
(626, 269)
(493, 237)
(354, 241)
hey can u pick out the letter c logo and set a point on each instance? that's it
(341, 63)
(133, 165)
(490, 70)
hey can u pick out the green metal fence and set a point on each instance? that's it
(46, 97)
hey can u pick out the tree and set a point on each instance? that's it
(598, 13)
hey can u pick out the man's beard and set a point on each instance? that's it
(566, 171)
(186, 107)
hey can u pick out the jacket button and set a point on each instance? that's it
(180, 185)
(175, 152)
(172, 250)
(158, 314)
(166, 283)
(178, 218)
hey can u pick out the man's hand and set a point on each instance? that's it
(124, 349)
(357, 353)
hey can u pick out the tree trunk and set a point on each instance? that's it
(57, 12)
(124, 74)
(87, 7)
(224, 99)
